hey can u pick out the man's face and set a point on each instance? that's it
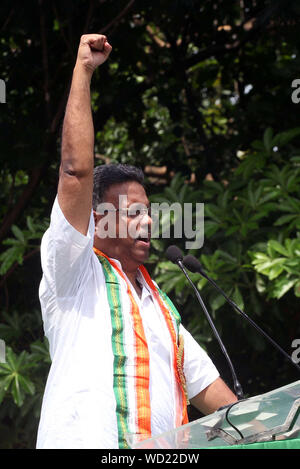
(127, 224)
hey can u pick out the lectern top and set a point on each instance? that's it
(271, 416)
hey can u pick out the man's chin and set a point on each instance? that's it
(141, 250)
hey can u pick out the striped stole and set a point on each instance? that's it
(131, 356)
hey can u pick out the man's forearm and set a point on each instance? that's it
(216, 395)
(77, 151)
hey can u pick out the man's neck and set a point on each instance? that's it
(131, 274)
(133, 280)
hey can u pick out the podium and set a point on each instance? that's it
(271, 417)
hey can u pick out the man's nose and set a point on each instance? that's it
(146, 219)
(145, 224)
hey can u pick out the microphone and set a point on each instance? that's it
(192, 264)
(174, 255)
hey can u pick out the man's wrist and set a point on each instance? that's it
(83, 73)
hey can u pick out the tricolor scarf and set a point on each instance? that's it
(131, 356)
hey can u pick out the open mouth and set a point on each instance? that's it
(143, 240)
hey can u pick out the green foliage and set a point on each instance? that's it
(14, 377)
(280, 263)
(21, 243)
(250, 248)
(22, 378)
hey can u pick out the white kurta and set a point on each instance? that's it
(79, 405)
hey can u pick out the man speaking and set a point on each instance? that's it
(121, 361)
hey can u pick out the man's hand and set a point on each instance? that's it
(93, 51)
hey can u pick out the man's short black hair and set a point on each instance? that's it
(108, 174)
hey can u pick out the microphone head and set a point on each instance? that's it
(174, 254)
(191, 263)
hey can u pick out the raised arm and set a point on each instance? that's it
(75, 188)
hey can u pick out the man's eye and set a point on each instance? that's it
(134, 213)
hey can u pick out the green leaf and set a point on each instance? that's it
(284, 219)
(285, 137)
(211, 227)
(278, 247)
(260, 284)
(297, 289)
(16, 391)
(5, 382)
(30, 224)
(238, 297)
(18, 234)
(281, 287)
(2, 393)
(275, 271)
(10, 256)
(268, 135)
(26, 384)
(217, 301)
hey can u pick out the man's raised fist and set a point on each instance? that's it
(93, 51)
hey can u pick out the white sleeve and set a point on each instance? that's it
(199, 369)
(65, 254)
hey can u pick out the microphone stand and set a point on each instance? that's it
(261, 331)
(236, 384)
